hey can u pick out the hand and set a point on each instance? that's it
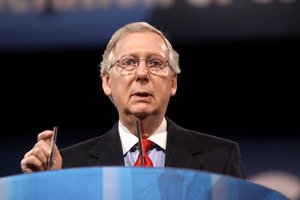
(36, 159)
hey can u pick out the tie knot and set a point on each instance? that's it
(146, 144)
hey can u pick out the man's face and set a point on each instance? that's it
(142, 93)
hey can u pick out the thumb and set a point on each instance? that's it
(57, 159)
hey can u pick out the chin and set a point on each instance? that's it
(142, 113)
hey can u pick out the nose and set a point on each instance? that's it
(142, 72)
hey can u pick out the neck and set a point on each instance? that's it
(148, 125)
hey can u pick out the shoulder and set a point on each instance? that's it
(197, 138)
(88, 145)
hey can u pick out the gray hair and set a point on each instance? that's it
(108, 57)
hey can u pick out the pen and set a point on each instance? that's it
(53, 141)
(138, 129)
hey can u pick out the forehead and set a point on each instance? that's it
(141, 44)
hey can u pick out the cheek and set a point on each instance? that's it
(164, 89)
(118, 85)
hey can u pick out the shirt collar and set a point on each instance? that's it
(128, 140)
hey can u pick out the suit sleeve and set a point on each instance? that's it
(234, 163)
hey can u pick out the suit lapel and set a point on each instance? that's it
(181, 150)
(108, 150)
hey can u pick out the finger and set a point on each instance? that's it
(31, 164)
(45, 135)
(41, 151)
(44, 146)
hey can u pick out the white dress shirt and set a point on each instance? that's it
(156, 153)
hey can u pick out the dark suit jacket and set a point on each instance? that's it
(185, 149)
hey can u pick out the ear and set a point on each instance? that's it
(173, 84)
(105, 85)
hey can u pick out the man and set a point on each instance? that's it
(139, 74)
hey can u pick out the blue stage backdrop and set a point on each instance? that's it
(79, 23)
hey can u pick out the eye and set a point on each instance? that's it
(155, 63)
(128, 62)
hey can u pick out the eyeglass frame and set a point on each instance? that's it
(138, 59)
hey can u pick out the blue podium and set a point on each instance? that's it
(116, 183)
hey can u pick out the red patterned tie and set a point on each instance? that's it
(146, 146)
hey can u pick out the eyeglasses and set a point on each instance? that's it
(156, 65)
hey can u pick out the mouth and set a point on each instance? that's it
(142, 94)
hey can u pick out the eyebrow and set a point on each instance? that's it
(134, 55)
